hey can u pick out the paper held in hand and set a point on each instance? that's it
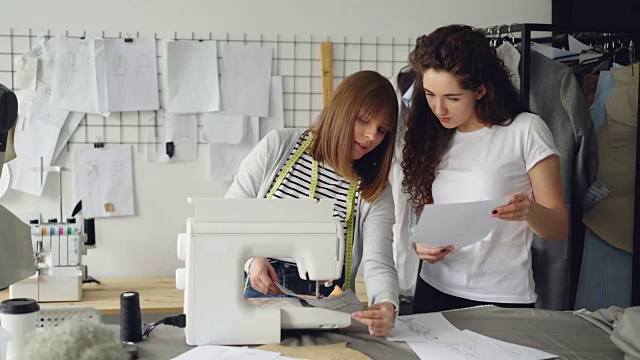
(459, 224)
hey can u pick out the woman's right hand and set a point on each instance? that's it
(432, 254)
(263, 277)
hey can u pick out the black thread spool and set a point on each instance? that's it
(130, 318)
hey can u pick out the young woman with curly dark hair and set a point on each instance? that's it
(468, 138)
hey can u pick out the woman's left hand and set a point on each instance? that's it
(378, 317)
(518, 208)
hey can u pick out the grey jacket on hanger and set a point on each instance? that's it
(555, 95)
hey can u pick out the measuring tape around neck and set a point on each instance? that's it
(351, 202)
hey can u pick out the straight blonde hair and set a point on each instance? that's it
(367, 94)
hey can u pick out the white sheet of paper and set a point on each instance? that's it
(182, 129)
(79, 77)
(461, 351)
(276, 108)
(459, 224)
(26, 68)
(33, 140)
(245, 79)
(44, 110)
(46, 54)
(105, 177)
(516, 351)
(216, 352)
(432, 327)
(225, 159)
(223, 129)
(68, 128)
(132, 75)
(192, 77)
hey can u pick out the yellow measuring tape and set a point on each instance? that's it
(351, 202)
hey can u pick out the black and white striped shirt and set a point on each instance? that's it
(330, 185)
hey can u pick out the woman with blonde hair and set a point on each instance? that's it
(344, 156)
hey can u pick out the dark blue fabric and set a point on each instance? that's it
(289, 278)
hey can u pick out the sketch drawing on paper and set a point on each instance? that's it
(119, 65)
(118, 167)
(419, 329)
(69, 66)
(514, 354)
(144, 65)
(93, 177)
(468, 351)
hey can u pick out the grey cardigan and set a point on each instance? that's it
(374, 220)
(556, 96)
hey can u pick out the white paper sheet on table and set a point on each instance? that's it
(192, 77)
(459, 224)
(104, 177)
(68, 128)
(26, 69)
(223, 129)
(181, 129)
(35, 143)
(276, 108)
(432, 327)
(515, 351)
(460, 351)
(216, 352)
(245, 79)
(132, 75)
(79, 77)
(225, 159)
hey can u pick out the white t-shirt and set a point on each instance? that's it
(489, 164)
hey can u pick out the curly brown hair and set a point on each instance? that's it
(465, 53)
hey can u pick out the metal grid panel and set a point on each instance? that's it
(297, 59)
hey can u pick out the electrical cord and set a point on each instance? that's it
(179, 320)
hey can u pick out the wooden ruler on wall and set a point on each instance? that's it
(326, 52)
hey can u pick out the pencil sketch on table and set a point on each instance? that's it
(431, 327)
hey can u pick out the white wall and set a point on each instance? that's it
(144, 245)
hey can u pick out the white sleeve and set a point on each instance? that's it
(539, 143)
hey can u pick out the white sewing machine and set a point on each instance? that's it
(225, 233)
(57, 248)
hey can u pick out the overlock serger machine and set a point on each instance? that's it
(58, 248)
(225, 233)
